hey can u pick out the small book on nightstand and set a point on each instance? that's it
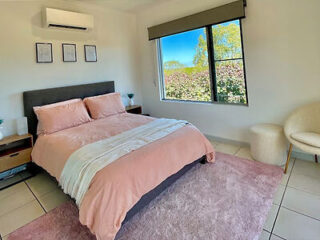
(15, 154)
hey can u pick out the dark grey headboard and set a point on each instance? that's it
(53, 95)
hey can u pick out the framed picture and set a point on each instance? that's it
(44, 52)
(90, 53)
(69, 52)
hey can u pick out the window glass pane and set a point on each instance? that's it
(227, 40)
(230, 82)
(229, 69)
(185, 66)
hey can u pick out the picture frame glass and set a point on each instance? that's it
(90, 53)
(69, 52)
(44, 52)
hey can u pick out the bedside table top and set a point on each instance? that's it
(14, 138)
(132, 107)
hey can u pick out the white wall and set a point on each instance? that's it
(282, 54)
(281, 44)
(20, 23)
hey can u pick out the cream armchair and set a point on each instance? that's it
(302, 129)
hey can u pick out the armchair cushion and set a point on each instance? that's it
(309, 138)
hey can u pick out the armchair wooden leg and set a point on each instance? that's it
(316, 158)
(288, 159)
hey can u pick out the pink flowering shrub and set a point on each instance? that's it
(230, 82)
(183, 86)
(194, 84)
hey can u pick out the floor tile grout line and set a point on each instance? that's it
(26, 203)
(287, 186)
(35, 197)
(278, 236)
(298, 189)
(302, 214)
(15, 210)
(273, 234)
(284, 192)
(237, 151)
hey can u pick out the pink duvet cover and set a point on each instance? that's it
(118, 187)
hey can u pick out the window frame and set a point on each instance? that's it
(211, 66)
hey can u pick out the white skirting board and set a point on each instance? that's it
(296, 153)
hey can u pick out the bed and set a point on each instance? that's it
(126, 121)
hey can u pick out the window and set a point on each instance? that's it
(204, 65)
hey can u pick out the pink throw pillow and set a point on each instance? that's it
(104, 105)
(62, 115)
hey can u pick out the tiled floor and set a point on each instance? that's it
(295, 213)
(28, 200)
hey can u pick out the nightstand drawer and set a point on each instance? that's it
(135, 109)
(15, 159)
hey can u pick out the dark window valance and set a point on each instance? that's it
(231, 11)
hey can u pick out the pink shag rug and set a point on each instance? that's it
(229, 199)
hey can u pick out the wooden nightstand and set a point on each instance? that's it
(136, 109)
(15, 151)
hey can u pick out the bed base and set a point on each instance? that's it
(148, 197)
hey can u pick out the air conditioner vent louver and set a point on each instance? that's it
(67, 20)
(63, 26)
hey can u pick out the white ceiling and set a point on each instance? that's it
(125, 5)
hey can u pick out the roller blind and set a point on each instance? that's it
(231, 11)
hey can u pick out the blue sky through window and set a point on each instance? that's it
(181, 47)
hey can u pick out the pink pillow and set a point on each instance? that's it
(104, 105)
(61, 115)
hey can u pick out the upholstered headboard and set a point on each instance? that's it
(53, 95)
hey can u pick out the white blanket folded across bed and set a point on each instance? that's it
(84, 163)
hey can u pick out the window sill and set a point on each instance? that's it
(205, 103)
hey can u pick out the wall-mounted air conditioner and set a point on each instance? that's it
(64, 19)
